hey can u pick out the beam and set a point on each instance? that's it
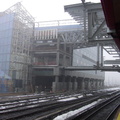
(82, 68)
(98, 30)
(112, 62)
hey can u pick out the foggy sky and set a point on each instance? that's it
(45, 10)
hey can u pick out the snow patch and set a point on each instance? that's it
(68, 99)
(71, 113)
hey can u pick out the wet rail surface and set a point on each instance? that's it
(33, 108)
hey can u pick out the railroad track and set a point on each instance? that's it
(102, 111)
(34, 100)
(51, 107)
(32, 109)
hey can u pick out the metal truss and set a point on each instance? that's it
(22, 32)
(21, 13)
(55, 23)
(91, 16)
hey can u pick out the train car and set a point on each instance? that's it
(111, 10)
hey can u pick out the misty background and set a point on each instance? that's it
(47, 10)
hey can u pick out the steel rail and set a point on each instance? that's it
(49, 109)
(113, 113)
(52, 108)
(90, 113)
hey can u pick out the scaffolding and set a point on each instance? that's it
(20, 56)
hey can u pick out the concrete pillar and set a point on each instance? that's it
(94, 84)
(83, 84)
(55, 85)
(92, 87)
(99, 84)
(102, 83)
(64, 87)
(70, 84)
(75, 84)
(89, 84)
(78, 83)
(67, 83)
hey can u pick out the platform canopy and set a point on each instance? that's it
(91, 17)
(77, 10)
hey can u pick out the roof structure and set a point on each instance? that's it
(95, 29)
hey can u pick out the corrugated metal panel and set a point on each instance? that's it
(46, 34)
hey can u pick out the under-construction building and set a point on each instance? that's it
(53, 49)
(16, 30)
(35, 54)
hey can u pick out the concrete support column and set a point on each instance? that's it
(70, 84)
(55, 86)
(92, 84)
(64, 87)
(75, 84)
(99, 84)
(89, 84)
(78, 83)
(67, 83)
(102, 83)
(83, 84)
(96, 84)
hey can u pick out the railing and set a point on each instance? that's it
(44, 63)
(56, 23)
(46, 34)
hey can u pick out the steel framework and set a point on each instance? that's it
(95, 29)
(95, 32)
(20, 57)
